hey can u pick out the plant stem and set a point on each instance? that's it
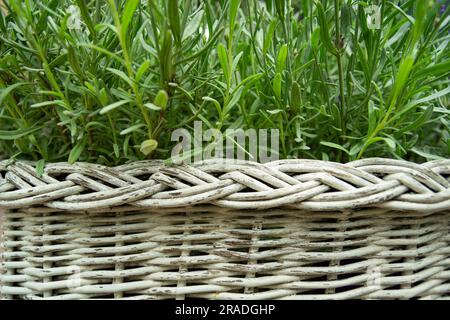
(129, 67)
(340, 68)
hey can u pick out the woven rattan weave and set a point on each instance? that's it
(292, 229)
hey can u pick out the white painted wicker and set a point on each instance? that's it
(291, 229)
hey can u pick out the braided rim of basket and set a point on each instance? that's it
(301, 184)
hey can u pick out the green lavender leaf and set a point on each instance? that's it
(223, 59)
(277, 85)
(174, 20)
(77, 150)
(281, 59)
(127, 15)
(334, 146)
(16, 134)
(114, 105)
(324, 29)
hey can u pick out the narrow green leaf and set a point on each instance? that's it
(356, 149)
(334, 145)
(152, 106)
(418, 122)
(427, 155)
(434, 69)
(103, 96)
(122, 75)
(174, 20)
(184, 91)
(281, 59)
(16, 134)
(233, 101)
(210, 42)
(132, 129)
(420, 12)
(234, 6)
(431, 97)
(402, 12)
(142, 69)
(390, 142)
(114, 105)
(127, 15)
(215, 102)
(193, 25)
(49, 103)
(49, 93)
(236, 61)
(40, 165)
(324, 29)
(103, 50)
(58, 61)
(296, 95)
(346, 19)
(126, 144)
(269, 35)
(165, 58)
(372, 141)
(248, 81)
(277, 85)
(223, 59)
(402, 77)
(4, 92)
(280, 7)
(315, 37)
(96, 124)
(413, 104)
(73, 60)
(86, 17)
(116, 150)
(372, 117)
(76, 152)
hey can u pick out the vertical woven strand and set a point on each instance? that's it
(13, 236)
(257, 227)
(2, 249)
(412, 259)
(8, 240)
(119, 266)
(378, 266)
(183, 268)
(342, 220)
(47, 265)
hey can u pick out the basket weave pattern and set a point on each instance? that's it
(301, 184)
(292, 229)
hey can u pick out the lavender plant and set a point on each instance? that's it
(108, 81)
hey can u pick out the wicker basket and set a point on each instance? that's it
(291, 229)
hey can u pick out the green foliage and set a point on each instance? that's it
(110, 84)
